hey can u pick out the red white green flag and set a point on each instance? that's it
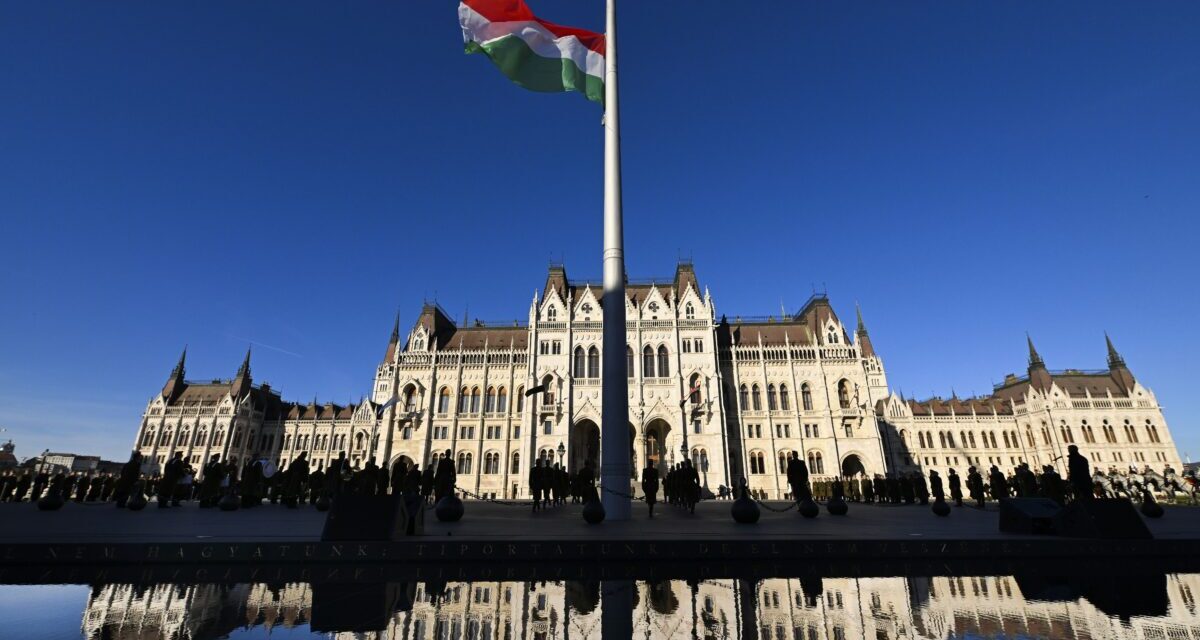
(534, 53)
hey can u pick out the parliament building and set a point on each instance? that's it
(734, 395)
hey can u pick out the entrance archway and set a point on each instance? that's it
(404, 461)
(853, 466)
(585, 446)
(656, 444)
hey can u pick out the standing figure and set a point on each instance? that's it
(650, 485)
(1079, 474)
(172, 474)
(956, 493)
(535, 483)
(935, 486)
(998, 483)
(445, 477)
(975, 486)
(797, 477)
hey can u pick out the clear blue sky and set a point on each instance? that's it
(290, 172)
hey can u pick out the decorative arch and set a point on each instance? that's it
(852, 466)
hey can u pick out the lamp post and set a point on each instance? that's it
(562, 451)
(683, 452)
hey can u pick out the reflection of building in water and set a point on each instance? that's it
(186, 612)
(773, 609)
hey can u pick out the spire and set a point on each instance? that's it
(864, 341)
(175, 383)
(396, 328)
(1115, 361)
(244, 370)
(179, 367)
(1035, 360)
(1039, 377)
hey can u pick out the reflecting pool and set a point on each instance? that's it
(1149, 607)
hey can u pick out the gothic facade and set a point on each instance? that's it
(734, 396)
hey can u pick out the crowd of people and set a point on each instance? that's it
(258, 481)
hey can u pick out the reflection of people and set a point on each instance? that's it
(650, 486)
(1079, 474)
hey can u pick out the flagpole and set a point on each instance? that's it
(615, 440)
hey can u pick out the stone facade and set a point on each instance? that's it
(734, 396)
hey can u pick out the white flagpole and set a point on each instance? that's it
(614, 419)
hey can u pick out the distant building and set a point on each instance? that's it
(68, 463)
(8, 460)
(735, 397)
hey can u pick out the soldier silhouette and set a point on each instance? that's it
(650, 485)
(445, 477)
(956, 493)
(1079, 474)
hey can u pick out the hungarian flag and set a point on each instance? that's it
(538, 55)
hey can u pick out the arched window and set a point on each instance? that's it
(744, 398)
(664, 362)
(971, 435)
(844, 393)
(816, 464)
(689, 312)
(464, 400)
(551, 314)
(593, 363)
(520, 399)
(359, 439)
(578, 368)
(756, 398)
(648, 362)
(464, 463)
(950, 439)
(784, 402)
(921, 439)
(806, 397)
(548, 394)
(962, 437)
(629, 362)
(491, 463)
(832, 335)
(1029, 437)
(501, 400)
(694, 389)
(444, 400)
(410, 399)
(515, 467)
(490, 403)
(757, 463)
(993, 436)
(904, 437)
(942, 439)
(772, 400)
(475, 400)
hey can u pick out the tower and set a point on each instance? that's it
(1039, 376)
(1116, 367)
(242, 382)
(174, 385)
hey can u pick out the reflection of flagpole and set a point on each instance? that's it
(614, 418)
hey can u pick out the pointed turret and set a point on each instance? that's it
(394, 341)
(1114, 359)
(242, 382)
(1035, 360)
(864, 340)
(174, 384)
(1039, 377)
(1117, 368)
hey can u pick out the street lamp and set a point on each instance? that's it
(683, 451)
(562, 451)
